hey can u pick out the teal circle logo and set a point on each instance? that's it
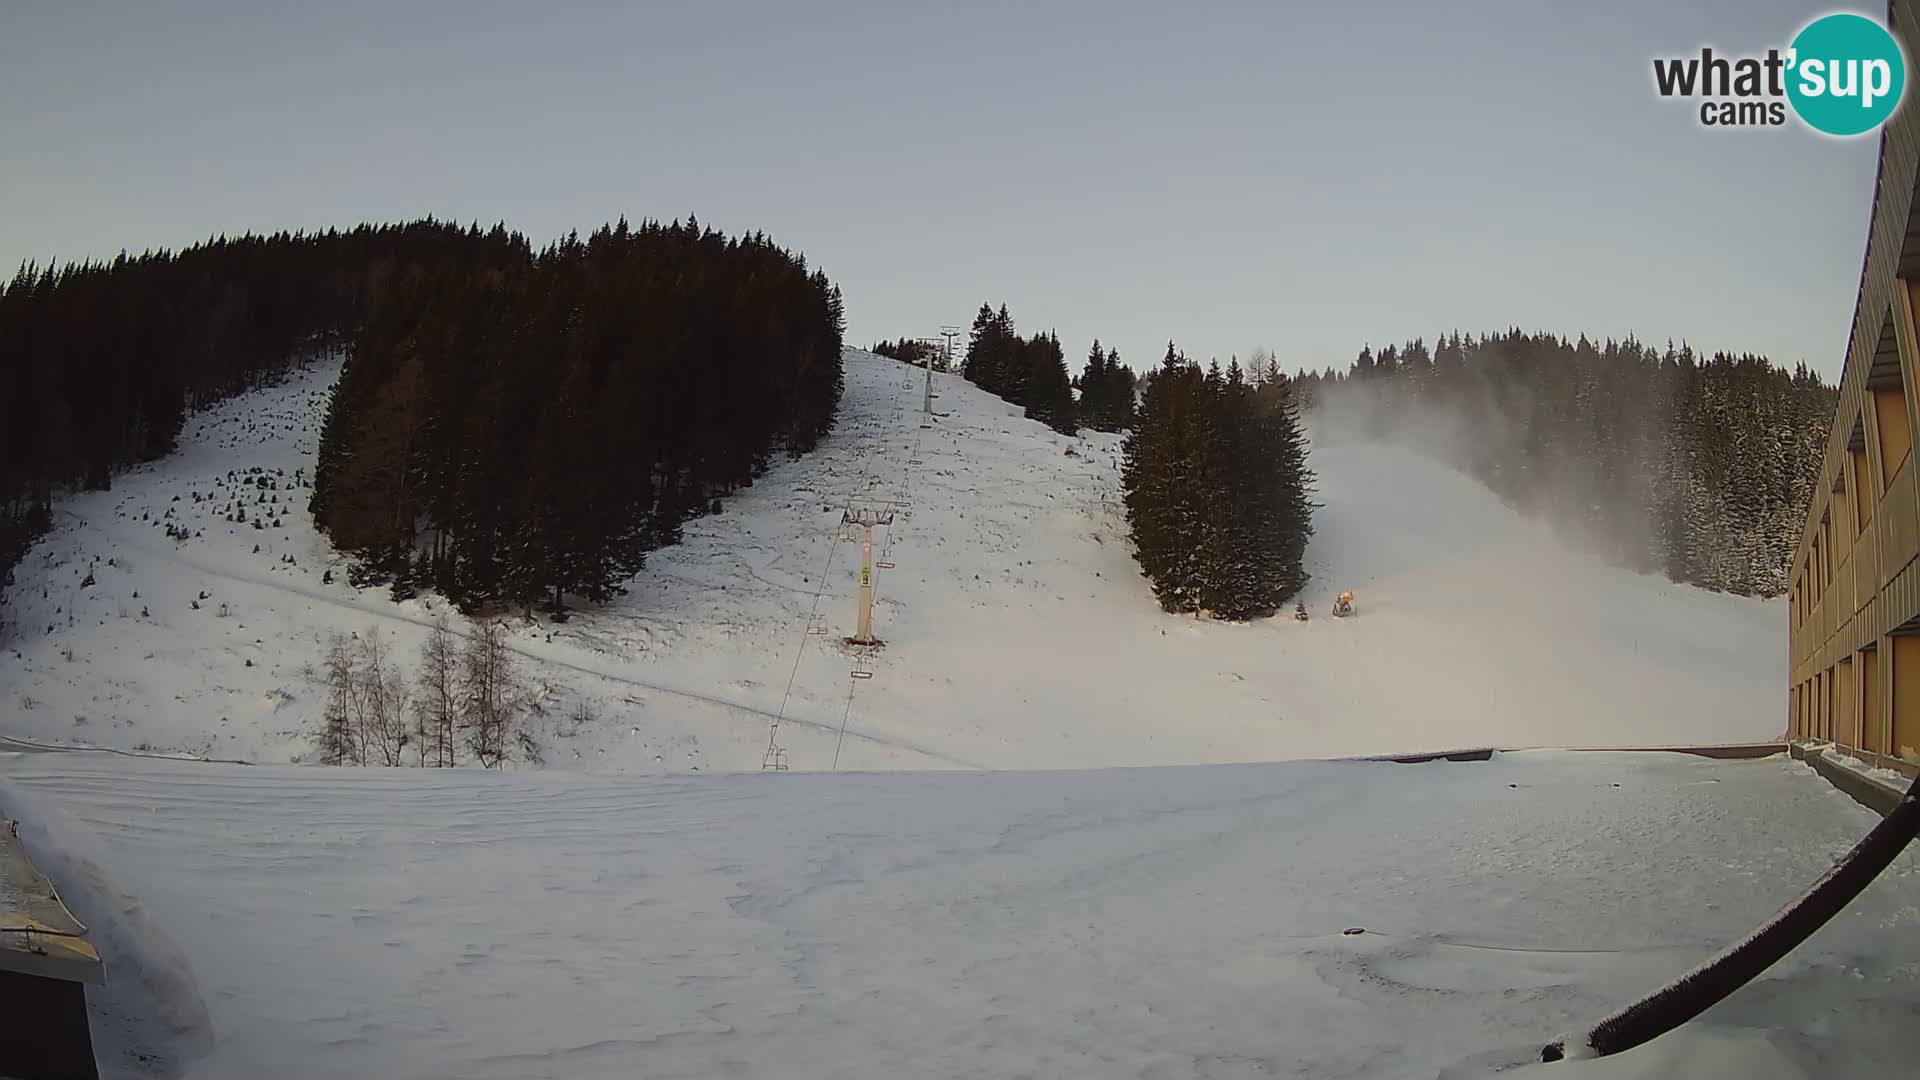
(1846, 74)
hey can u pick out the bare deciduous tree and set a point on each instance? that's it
(491, 692)
(439, 702)
(383, 692)
(375, 713)
(337, 741)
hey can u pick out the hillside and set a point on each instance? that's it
(1179, 922)
(1019, 633)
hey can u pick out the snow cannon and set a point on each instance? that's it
(1343, 606)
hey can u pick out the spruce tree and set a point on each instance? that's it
(1121, 392)
(1095, 407)
(1153, 470)
(981, 364)
(1049, 388)
(1010, 359)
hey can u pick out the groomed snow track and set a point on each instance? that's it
(1134, 922)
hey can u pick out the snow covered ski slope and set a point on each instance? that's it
(1018, 631)
(1170, 922)
(1162, 923)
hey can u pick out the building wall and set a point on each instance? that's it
(1854, 601)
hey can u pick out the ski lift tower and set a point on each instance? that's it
(775, 759)
(927, 345)
(948, 332)
(866, 519)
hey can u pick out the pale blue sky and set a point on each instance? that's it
(1306, 177)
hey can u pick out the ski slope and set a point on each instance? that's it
(1162, 923)
(1018, 631)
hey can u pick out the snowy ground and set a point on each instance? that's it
(1019, 633)
(1179, 922)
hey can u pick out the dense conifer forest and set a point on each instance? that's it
(1698, 468)
(103, 360)
(522, 433)
(911, 351)
(513, 426)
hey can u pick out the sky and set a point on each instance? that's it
(1306, 178)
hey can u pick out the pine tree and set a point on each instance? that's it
(1284, 511)
(1229, 584)
(1121, 392)
(1096, 406)
(981, 365)
(1155, 479)
(1010, 359)
(1049, 389)
(1364, 366)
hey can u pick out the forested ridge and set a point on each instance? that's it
(1032, 372)
(912, 351)
(637, 375)
(1700, 468)
(103, 360)
(516, 427)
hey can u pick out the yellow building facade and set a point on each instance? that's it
(1854, 598)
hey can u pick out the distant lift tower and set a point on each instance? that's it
(948, 332)
(926, 407)
(927, 345)
(866, 519)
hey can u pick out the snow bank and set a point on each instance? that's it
(1174, 922)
